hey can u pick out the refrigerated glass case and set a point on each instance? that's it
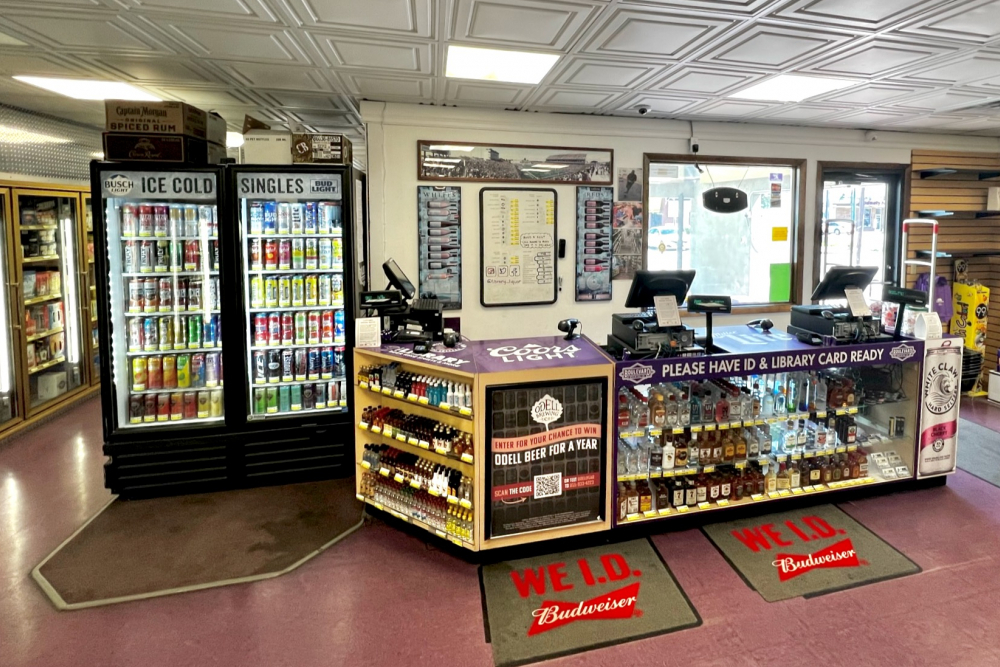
(89, 290)
(9, 408)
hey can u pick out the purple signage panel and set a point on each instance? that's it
(460, 358)
(727, 365)
(518, 354)
(744, 340)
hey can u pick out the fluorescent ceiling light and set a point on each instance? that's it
(792, 88)
(495, 65)
(464, 149)
(98, 155)
(84, 89)
(12, 135)
(234, 139)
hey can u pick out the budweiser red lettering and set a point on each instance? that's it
(840, 554)
(617, 604)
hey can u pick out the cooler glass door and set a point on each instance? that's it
(92, 337)
(294, 292)
(163, 254)
(8, 390)
(50, 294)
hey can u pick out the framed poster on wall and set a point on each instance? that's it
(517, 246)
(593, 243)
(444, 161)
(439, 234)
(546, 453)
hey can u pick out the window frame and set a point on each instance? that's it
(797, 255)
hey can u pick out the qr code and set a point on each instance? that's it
(547, 486)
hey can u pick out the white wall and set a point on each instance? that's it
(393, 131)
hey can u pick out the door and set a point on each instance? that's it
(49, 299)
(88, 292)
(11, 409)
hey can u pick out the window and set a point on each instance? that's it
(747, 255)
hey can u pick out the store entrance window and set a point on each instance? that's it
(859, 220)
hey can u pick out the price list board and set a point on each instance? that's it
(518, 234)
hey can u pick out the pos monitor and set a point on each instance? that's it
(838, 278)
(649, 284)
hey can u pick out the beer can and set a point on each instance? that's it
(308, 397)
(338, 326)
(338, 251)
(214, 295)
(135, 338)
(284, 400)
(271, 291)
(135, 295)
(137, 407)
(298, 253)
(165, 289)
(215, 409)
(148, 407)
(326, 363)
(337, 287)
(272, 400)
(166, 327)
(270, 254)
(287, 328)
(287, 365)
(183, 371)
(219, 328)
(256, 217)
(284, 291)
(313, 320)
(204, 401)
(325, 253)
(129, 220)
(284, 254)
(338, 362)
(270, 217)
(259, 367)
(329, 217)
(176, 255)
(198, 370)
(138, 373)
(326, 326)
(324, 290)
(313, 364)
(319, 392)
(181, 294)
(194, 332)
(176, 220)
(190, 405)
(296, 397)
(312, 290)
(274, 329)
(333, 393)
(311, 223)
(162, 407)
(170, 371)
(147, 252)
(208, 332)
(192, 255)
(297, 217)
(145, 220)
(206, 219)
(259, 401)
(161, 261)
(180, 332)
(215, 255)
(312, 254)
(176, 406)
(190, 220)
(256, 257)
(150, 295)
(194, 289)
(130, 261)
(154, 372)
(298, 290)
(256, 292)
(284, 216)
(260, 329)
(301, 364)
(161, 219)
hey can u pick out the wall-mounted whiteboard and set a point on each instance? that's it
(518, 240)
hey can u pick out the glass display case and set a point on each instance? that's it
(9, 408)
(89, 290)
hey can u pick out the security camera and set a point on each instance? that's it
(871, 136)
(643, 109)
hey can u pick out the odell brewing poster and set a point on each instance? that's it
(546, 454)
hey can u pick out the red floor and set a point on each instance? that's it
(384, 598)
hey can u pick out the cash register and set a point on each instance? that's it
(824, 324)
(411, 319)
(639, 335)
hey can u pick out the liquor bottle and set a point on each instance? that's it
(624, 413)
(657, 410)
(821, 435)
(767, 404)
(655, 457)
(701, 489)
(755, 397)
(741, 444)
(766, 441)
(770, 479)
(836, 471)
(670, 409)
(779, 401)
(677, 493)
(803, 393)
(645, 497)
(819, 393)
(662, 497)
(640, 413)
(826, 471)
(855, 462)
(726, 487)
(735, 406)
(669, 453)
(722, 408)
(690, 493)
(632, 499)
(748, 404)
(695, 408)
(693, 453)
(684, 410)
(862, 463)
(718, 448)
(815, 472)
(680, 453)
(708, 407)
(790, 437)
(714, 488)
(729, 447)
(795, 475)
(803, 435)
(753, 443)
(705, 449)
(845, 467)
(850, 397)
(783, 481)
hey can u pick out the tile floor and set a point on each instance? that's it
(382, 597)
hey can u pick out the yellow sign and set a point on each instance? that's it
(779, 233)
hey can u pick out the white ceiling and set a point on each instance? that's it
(919, 63)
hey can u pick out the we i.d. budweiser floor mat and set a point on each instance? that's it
(806, 552)
(546, 606)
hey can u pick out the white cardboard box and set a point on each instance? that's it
(267, 147)
(994, 387)
(51, 385)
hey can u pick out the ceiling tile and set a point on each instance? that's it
(390, 88)
(802, 112)
(281, 77)
(226, 9)
(976, 22)
(701, 80)
(865, 119)
(485, 93)
(871, 94)
(382, 55)
(772, 47)
(943, 100)
(659, 104)
(727, 6)
(35, 64)
(928, 122)
(204, 98)
(298, 100)
(150, 69)
(604, 73)
(402, 17)
(731, 108)
(876, 57)
(955, 72)
(639, 34)
(9, 40)
(869, 14)
(86, 32)
(549, 24)
(581, 100)
(242, 43)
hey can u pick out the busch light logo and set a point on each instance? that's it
(328, 186)
(533, 352)
(902, 352)
(636, 373)
(118, 185)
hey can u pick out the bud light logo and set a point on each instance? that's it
(118, 185)
(636, 373)
(902, 352)
(326, 186)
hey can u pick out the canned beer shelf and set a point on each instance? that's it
(48, 364)
(268, 309)
(289, 383)
(176, 350)
(172, 311)
(337, 268)
(288, 235)
(179, 237)
(171, 390)
(167, 274)
(44, 334)
(174, 422)
(295, 346)
(42, 299)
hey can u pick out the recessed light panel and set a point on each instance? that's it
(86, 89)
(466, 62)
(792, 88)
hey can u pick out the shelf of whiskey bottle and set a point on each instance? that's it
(268, 309)
(261, 271)
(413, 399)
(753, 498)
(417, 522)
(419, 447)
(722, 426)
(405, 480)
(169, 273)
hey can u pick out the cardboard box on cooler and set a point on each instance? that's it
(161, 148)
(267, 147)
(321, 148)
(51, 385)
(177, 118)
